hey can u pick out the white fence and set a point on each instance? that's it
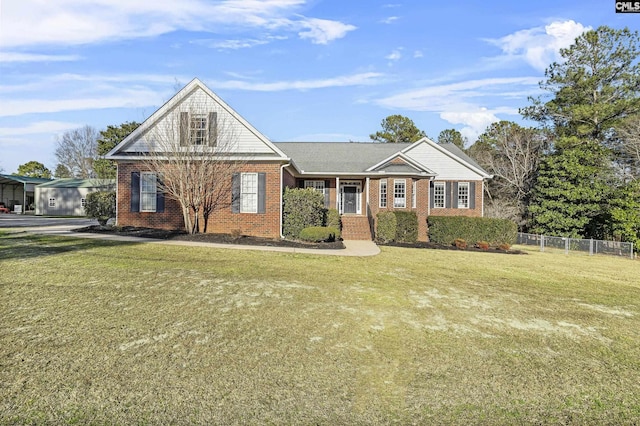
(612, 248)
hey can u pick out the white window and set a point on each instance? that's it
(148, 190)
(52, 202)
(399, 193)
(248, 193)
(438, 195)
(463, 195)
(83, 202)
(198, 129)
(414, 192)
(318, 185)
(383, 193)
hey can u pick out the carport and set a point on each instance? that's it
(19, 191)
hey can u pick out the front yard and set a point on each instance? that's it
(119, 333)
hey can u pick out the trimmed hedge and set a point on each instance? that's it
(406, 227)
(333, 219)
(386, 225)
(446, 229)
(318, 234)
(101, 205)
(302, 208)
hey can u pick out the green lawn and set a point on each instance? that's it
(115, 333)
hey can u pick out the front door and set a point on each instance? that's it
(349, 199)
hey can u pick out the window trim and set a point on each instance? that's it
(52, 202)
(397, 183)
(83, 202)
(463, 185)
(198, 136)
(151, 194)
(414, 194)
(443, 186)
(254, 207)
(382, 195)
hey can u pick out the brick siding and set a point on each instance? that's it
(221, 221)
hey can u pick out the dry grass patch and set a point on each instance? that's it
(103, 332)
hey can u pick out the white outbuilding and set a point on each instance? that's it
(67, 197)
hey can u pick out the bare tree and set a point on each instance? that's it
(193, 152)
(77, 149)
(628, 146)
(512, 154)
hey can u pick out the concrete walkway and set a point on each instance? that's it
(352, 247)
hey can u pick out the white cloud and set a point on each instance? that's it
(322, 31)
(6, 57)
(390, 20)
(474, 103)
(91, 92)
(75, 22)
(360, 79)
(539, 46)
(39, 127)
(395, 55)
(418, 54)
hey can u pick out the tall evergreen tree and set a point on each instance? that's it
(397, 129)
(107, 140)
(594, 87)
(571, 189)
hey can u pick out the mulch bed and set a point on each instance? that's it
(434, 246)
(162, 234)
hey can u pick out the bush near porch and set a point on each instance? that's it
(446, 229)
(302, 208)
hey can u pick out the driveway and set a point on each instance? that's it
(29, 221)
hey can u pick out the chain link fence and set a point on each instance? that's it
(545, 242)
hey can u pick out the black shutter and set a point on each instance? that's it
(262, 192)
(135, 191)
(455, 195)
(472, 195)
(235, 193)
(184, 128)
(431, 197)
(159, 195)
(326, 193)
(213, 129)
(447, 195)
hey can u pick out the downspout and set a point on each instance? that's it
(482, 202)
(367, 196)
(281, 195)
(24, 197)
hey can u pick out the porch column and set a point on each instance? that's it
(366, 188)
(338, 194)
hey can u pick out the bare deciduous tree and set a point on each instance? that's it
(193, 151)
(628, 146)
(77, 149)
(512, 154)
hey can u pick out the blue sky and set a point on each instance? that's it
(297, 70)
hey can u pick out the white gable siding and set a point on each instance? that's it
(443, 165)
(230, 129)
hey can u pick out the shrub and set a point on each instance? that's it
(406, 227)
(460, 243)
(482, 245)
(319, 234)
(386, 227)
(302, 208)
(445, 229)
(333, 219)
(101, 205)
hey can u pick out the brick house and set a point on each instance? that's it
(358, 179)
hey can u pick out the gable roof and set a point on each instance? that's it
(347, 157)
(127, 149)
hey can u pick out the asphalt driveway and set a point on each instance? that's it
(30, 221)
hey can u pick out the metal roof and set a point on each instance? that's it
(79, 183)
(8, 179)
